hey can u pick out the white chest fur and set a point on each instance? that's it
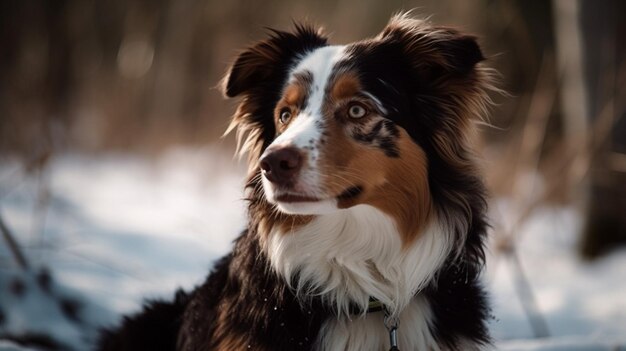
(348, 256)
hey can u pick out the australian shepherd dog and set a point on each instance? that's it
(366, 210)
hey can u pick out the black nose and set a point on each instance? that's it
(281, 165)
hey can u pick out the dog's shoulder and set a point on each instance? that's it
(158, 325)
(154, 328)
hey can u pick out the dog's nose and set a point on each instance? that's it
(281, 165)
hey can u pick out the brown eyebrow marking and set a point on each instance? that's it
(297, 92)
(344, 85)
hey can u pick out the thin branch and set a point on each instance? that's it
(527, 297)
(13, 247)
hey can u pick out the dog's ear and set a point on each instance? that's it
(258, 75)
(267, 60)
(461, 52)
(433, 50)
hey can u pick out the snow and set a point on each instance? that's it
(120, 228)
(583, 303)
(11, 346)
(38, 309)
(571, 343)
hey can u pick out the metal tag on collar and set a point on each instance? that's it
(391, 323)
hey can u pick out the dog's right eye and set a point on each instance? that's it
(285, 116)
(356, 110)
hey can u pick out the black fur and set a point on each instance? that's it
(155, 328)
(262, 310)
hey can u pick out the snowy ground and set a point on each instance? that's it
(120, 228)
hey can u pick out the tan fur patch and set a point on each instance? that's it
(297, 92)
(345, 86)
(294, 97)
(397, 186)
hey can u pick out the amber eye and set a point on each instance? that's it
(285, 115)
(357, 111)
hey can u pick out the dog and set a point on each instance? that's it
(366, 210)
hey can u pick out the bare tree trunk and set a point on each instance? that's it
(604, 33)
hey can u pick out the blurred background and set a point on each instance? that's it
(115, 183)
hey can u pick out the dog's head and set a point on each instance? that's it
(381, 122)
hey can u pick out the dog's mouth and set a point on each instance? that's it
(351, 193)
(296, 198)
(348, 194)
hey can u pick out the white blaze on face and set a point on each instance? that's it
(306, 125)
(305, 131)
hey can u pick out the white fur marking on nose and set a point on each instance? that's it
(309, 123)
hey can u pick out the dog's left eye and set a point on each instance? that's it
(285, 116)
(357, 111)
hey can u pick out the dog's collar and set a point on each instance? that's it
(374, 305)
(390, 322)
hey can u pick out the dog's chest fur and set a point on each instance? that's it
(301, 289)
(352, 255)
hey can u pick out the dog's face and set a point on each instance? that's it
(336, 145)
(331, 127)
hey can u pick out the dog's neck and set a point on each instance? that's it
(348, 256)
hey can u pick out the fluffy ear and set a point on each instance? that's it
(266, 60)
(461, 52)
(433, 48)
(258, 75)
